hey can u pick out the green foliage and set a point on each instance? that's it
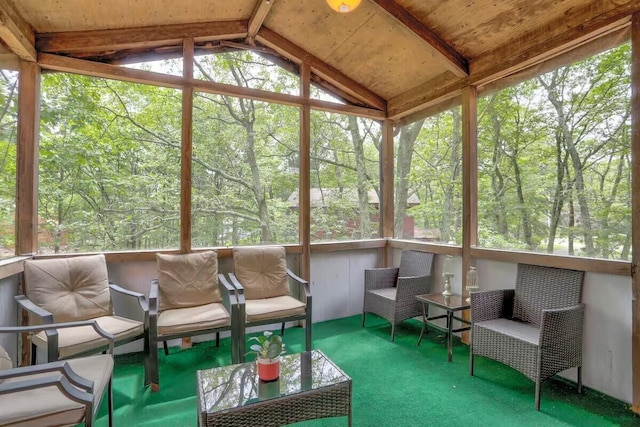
(269, 346)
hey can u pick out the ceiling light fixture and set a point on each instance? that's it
(344, 6)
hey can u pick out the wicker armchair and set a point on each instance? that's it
(186, 300)
(56, 393)
(78, 288)
(262, 281)
(391, 292)
(536, 328)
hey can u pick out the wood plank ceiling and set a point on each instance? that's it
(395, 56)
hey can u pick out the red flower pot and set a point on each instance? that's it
(269, 369)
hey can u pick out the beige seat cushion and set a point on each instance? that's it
(83, 338)
(273, 308)
(197, 318)
(5, 360)
(262, 271)
(71, 288)
(187, 280)
(389, 293)
(47, 405)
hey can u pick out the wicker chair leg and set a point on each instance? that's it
(537, 395)
(166, 348)
(282, 329)
(580, 379)
(393, 331)
(363, 316)
(110, 403)
(217, 339)
(34, 354)
(471, 364)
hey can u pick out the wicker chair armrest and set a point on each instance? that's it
(489, 305)
(61, 366)
(409, 287)
(228, 293)
(301, 282)
(60, 381)
(561, 325)
(55, 326)
(128, 301)
(32, 308)
(376, 278)
(239, 288)
(153, 298)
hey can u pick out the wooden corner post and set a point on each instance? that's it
(635, 205)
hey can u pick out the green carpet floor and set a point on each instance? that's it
(394, 384)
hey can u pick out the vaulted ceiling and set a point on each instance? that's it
(394, 56)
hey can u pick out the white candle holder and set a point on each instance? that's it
(447, 274)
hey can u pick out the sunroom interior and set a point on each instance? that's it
(496, 133)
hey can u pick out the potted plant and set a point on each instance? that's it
(268, 351)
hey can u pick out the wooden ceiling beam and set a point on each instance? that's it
(257, 18)
(140, 37)
(586, 25)
(454, 60)
(96, 69)
(16, 32)
(295, 53)
(436, 90)
(582, 26)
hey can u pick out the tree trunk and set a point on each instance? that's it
(408, 136)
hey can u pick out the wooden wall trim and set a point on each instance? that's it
(27, 159)
(469, 178)
(304, 189)
(387, 186)
(12, 266)
(415, 245)
(635, 203)
(186, 148)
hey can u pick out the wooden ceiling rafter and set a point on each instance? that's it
(17, 33)
(295, 53)
(454, 60)
(76, 43)
(536, 46)
(533, 49)
(257, 18)
(96, 69)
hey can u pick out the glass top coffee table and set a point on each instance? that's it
(310, 386)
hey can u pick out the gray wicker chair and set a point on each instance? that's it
(391, 292)
(536, 328)
(187, 300)
(56, 393)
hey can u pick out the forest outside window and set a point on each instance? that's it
(245, 167)
(8, 137)
(109, 160)
(428, 179)
(554, 161)
(345, 189)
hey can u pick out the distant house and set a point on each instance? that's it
(325, 197)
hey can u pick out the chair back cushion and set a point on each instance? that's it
(71, 288)
(187, 280)
(544, 288)
(262, 271)
(415, 263)
(5, 360)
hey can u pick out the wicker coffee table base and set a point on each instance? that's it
(333, 401)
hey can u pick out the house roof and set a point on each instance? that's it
(320, 197)
(395, 56)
